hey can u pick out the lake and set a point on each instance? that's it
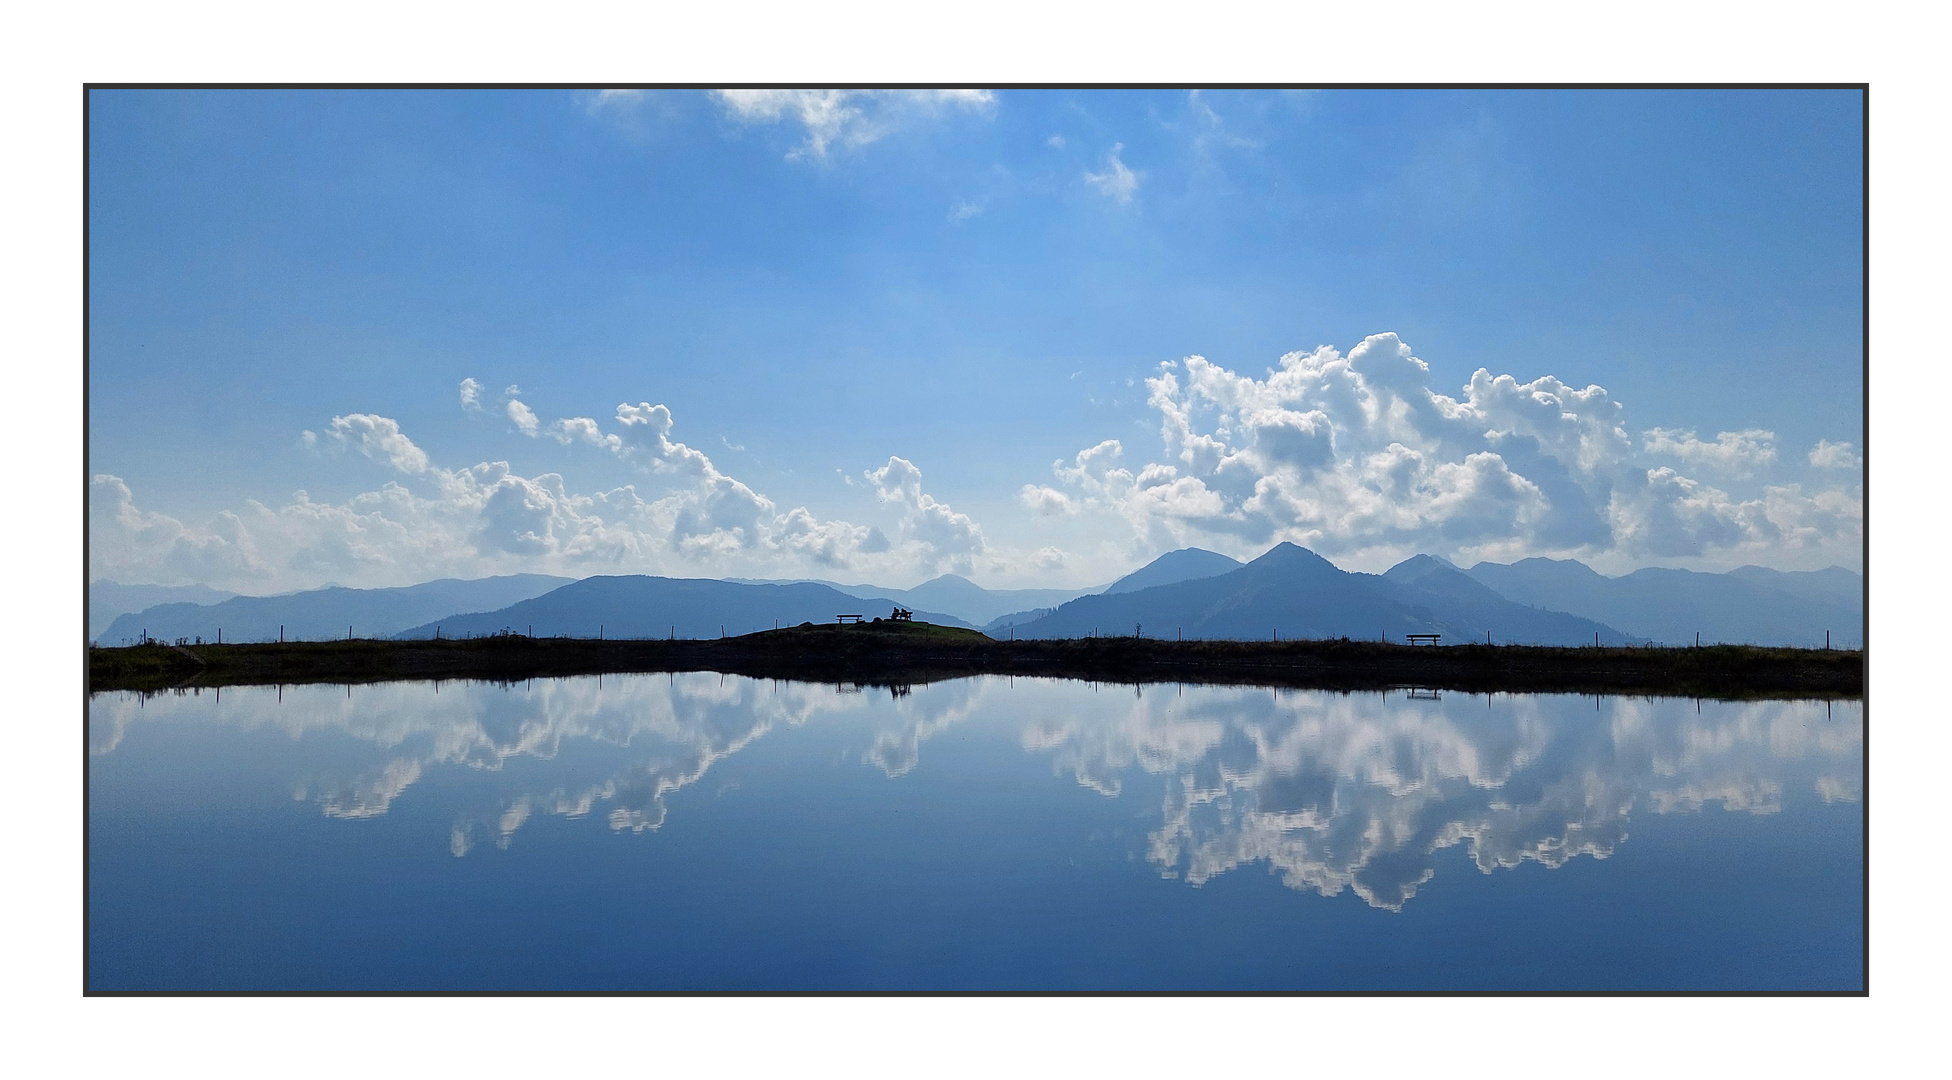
(698, 832)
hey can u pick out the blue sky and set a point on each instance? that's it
(875, 321)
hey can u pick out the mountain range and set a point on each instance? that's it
(107, 599)
(326, 613)
(951, 594)
(1292, 592)
(1750, 605)
(1288, 590)
(636, 606)
(1185, 564)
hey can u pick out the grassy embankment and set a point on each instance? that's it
(897, 653)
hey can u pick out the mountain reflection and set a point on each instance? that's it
(1331, 792)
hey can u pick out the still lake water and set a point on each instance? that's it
(705, 832)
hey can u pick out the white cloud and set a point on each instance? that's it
(1835, 455)
(1208, 130)
(1358, 457)
(939, 535)
(583, 429)
(522, 417)
(1055, 142)
(615, 98)
(1733, 453)
(965, 210)
(1117, 183)
(849, 118)
(128, 544)
(380, 438)
(488, 519)
(471, 396)
(1046, 502)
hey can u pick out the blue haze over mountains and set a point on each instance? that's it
(1289, 590)
(1295, 593)
(107, 599)
(638, 606)
(318, 614)
(1751, 604)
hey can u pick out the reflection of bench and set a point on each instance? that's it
(848, 618)
(1422, 639)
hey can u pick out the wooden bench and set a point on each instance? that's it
(1422, 639)
(843, 619)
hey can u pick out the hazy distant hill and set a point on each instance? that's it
(1457, 599)
(107, 599)
(1182, 565)
(1299, 594)
(1186, 564)
(950, 594)
(636, 606)
(1834, 585)
(326, 613)
(1751, 605)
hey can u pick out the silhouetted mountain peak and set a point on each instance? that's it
(1435, 574)
(1185, 564)
(1289, 557)
(1419, 566)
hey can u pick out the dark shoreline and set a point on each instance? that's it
(901, 654)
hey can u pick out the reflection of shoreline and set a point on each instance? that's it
(1332, 792)
(884, 657)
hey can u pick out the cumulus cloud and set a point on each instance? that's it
(1835, 455)
(471, 396)
(583, 429)
(1117, 183)
(1357, 455)
(522, 417)
(944, 537)
(1046, 502)
(848, 118)
(379, 438)
(1734, 453)
(488, 518)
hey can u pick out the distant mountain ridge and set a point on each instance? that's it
(951, 594)
(1751, 605)
(1288, 590)
(327, 613)
(107, 599)
(1186, 564)
(1295, 593)
(640, 606)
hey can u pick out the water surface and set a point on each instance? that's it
(706, 832)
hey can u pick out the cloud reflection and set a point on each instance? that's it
(1332, 792)
(1361, 792)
